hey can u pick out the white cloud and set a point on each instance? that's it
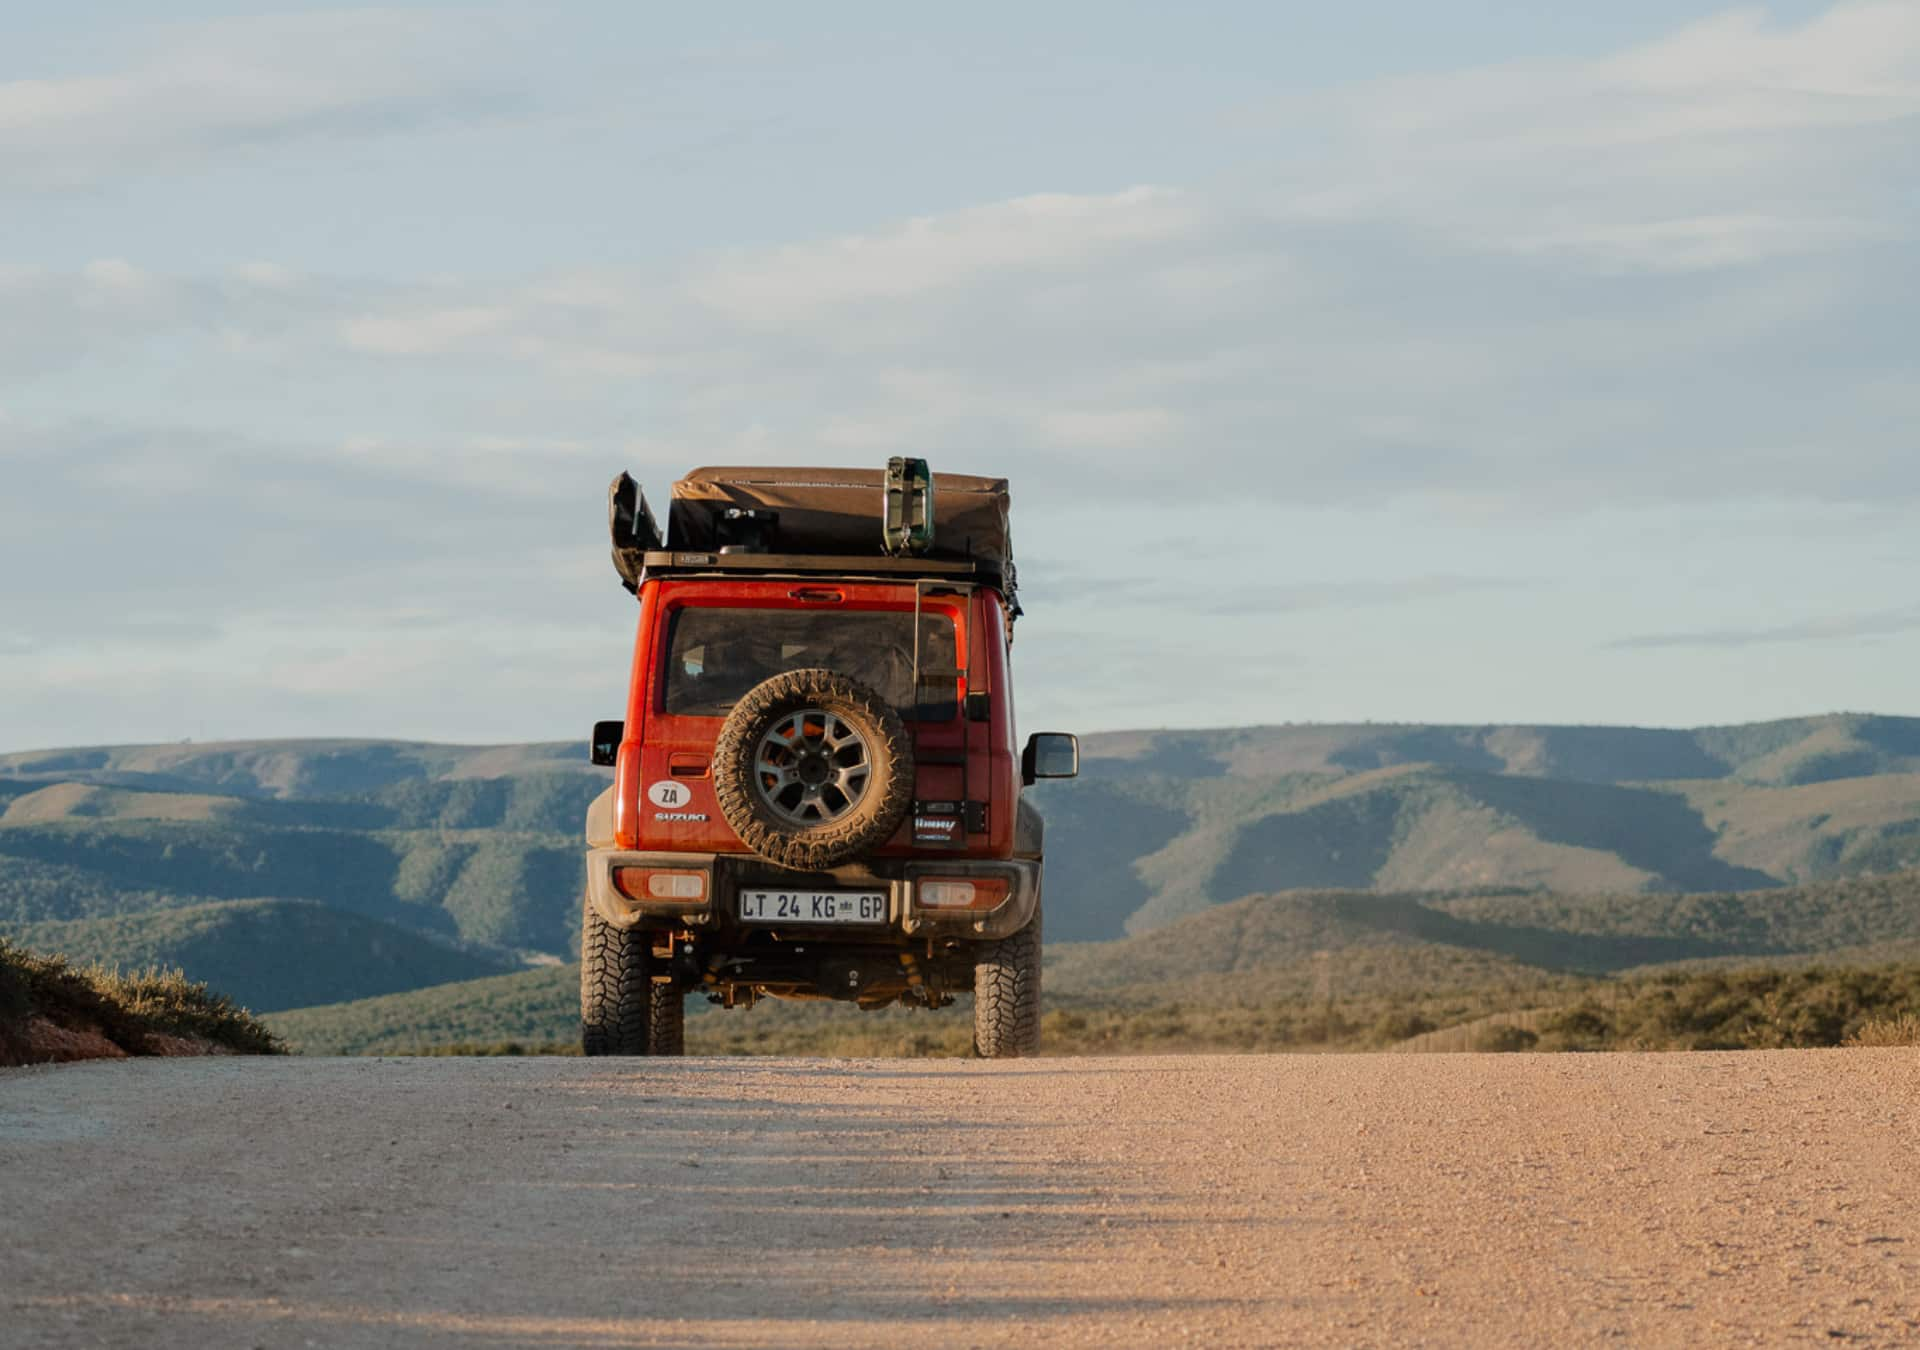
(1731, 141)
(1681, 273)
(113, 274)
(267, 275)
(931, 254)
(1690, 244)
(1108, 428)
(1853, 52)
(195, 90)
(1825, 628)
(423, 333)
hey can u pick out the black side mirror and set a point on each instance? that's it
(1050, 754)
(606, 741)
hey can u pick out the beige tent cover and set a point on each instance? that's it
(839, 510)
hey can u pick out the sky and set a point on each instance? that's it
(1390, 361)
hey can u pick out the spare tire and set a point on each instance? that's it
(813, 769)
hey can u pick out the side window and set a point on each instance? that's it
(939, 693)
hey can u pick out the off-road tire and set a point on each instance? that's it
(667, 1020)
(871, 821)
(616, 987)
(1006, 996)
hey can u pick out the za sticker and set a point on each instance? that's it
(669, 794)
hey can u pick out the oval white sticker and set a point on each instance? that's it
(669, 794)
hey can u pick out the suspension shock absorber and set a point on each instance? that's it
(917, 985)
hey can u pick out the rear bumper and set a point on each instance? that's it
(726, 874)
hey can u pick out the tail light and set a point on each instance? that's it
(654, 885)
(960, 892)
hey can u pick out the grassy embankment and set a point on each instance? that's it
(52, 1010)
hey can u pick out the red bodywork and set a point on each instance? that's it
(958, 760)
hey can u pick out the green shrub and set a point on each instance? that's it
(166, 1000)
(1399, 1024)
(1896, 1029)
(126, 1009)
(494, 1049)
(1501, 1039)
(1580, 1027)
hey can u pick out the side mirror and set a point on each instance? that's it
(606, 741)
(1050, 754)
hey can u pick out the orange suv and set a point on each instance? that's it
(817, 786)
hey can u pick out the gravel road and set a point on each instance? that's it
(1700, 1200)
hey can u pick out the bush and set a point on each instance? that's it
(1897, 1029)
(166, 1000)
(1580, 1027)
(1504, 1039)
(491, 1049)
(127, 1009)
(1398, 1025)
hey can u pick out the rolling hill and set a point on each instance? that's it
(490, 860)
(1259, 955)
(267, 954)
(1785, 753)
(1299, 933)
(292, 768)
(530, 1005)
(477, 847)
(1210, 816)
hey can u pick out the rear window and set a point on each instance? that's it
(714, 656)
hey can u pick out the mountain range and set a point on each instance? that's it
(1258, 962)
(304, 872)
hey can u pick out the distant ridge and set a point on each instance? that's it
(1206, 816)
(291, 768)
(1784, 753)
(1267, 950)
(268, 954)
(480, 845)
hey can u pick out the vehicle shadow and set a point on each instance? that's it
(640, 1203)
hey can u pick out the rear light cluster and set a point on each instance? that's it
(961, 892)
(654, 884)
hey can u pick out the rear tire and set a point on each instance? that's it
(616, 987)
(1006, 996)
(667, 1020)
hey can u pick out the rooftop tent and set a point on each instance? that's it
(839, 511)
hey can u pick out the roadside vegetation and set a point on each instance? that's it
(1764, 1009)
(50, 1009)
(1758, 1008)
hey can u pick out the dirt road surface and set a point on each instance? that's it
(1699, 1200)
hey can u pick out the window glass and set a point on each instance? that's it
(714, 656)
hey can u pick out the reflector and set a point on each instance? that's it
(960, 892)
(647, 883)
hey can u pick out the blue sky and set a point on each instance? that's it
(1377, 361)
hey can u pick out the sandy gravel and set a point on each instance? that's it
(1697, 1200)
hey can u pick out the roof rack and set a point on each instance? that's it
(667, 562)
(814, 522)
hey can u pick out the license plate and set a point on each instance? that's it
(813, 906)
